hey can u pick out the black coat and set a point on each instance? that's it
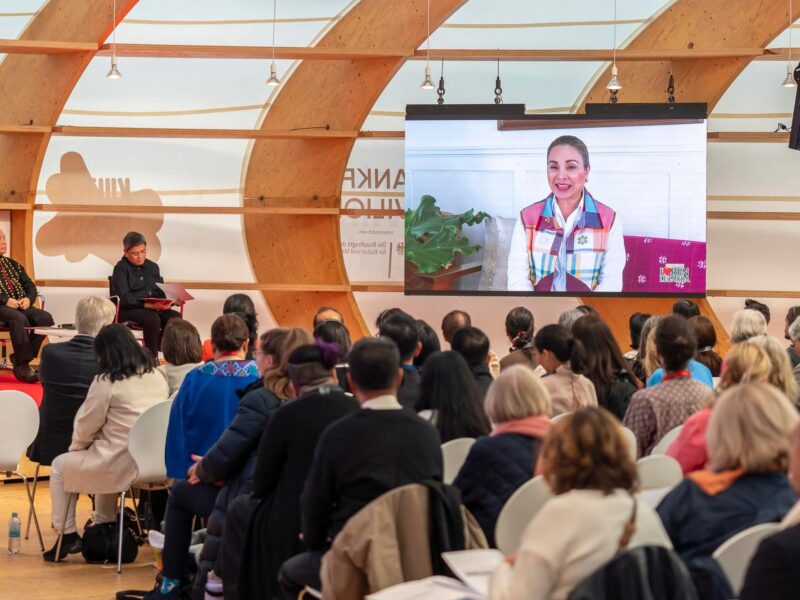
(616, 397)
(132, 283)
(773, 569)
(483, 377)
(232, 458)
(66, 371)
(495, 467)
(408, 394)
(285, 454)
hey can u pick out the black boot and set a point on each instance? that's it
(70, 544)
(25, 374)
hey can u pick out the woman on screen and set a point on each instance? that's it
(568, 242)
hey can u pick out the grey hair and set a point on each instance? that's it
(568, 317)
(794, 330)
(92, 314)
(747, 323)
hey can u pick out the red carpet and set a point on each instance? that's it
(9, 382)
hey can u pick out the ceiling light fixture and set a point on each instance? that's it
(789, 82)
(427, 83)
(614, 85)
(273, 80)
(113, 72)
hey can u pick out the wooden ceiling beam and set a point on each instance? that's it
(251, 52)
(45, 47)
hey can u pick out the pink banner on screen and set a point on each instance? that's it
(661, 265)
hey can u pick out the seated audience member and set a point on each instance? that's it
(706, 340)
(745, 363)
(452, 322)
(518, 404)
(635, 324)
(794, 336)
(182, 352)
(402, 330)
(396, 448)
(207, 400)
(567, 318)
(472, 344)
(134, 281)
(226, 471)
(327, 313)
(450, 392)
(697, 370)
(656, 410)
(519, 330)
(332, 331)
(759, 306)
(430, 343)
(562, 357)
(98, 461)
(773, 572)
(586, 309)
(241, 305)
(267, 527)
(586, 462)
(746, 324)
(781, 373)
(17, 311)
(686, 309)
(745, 485)
(646, 362)
(792, 316)
(614, 381)
(387, 314)
(66, 370)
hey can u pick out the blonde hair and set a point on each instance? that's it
(750, 429)
(747, 323)
(281, 342)
(780, 375)
(517, 393)
(651, 361)
(746, 362)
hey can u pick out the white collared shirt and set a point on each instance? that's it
(386, 402)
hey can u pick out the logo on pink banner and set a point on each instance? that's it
(661, 265)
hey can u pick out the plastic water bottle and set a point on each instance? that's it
(14, 529)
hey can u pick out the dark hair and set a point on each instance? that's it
(635, 324)
(388, 313)
(323, 309)
(675, 342)
(791, 317)
(449, 388)
(603, 358)
(430, 342)
(706, 340)
(562, 344)
(760, 307)
(228, 333)
(181, 343)
(334, 332)
(132, 239)
(402, 330)
(686, 309)
(314, 353)
(453, 321)
(587, 310)
(519, 327)
(575, 142)
(374, 363)
(119, 355)
(242, 305)
(472, 344)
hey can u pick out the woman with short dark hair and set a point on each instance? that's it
(586, 463)
(242, 306)
(98, 461)
(449, 391)
(706, 340)
(182, 351)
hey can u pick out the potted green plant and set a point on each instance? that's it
(433, 238)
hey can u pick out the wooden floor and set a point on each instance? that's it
(27, 576)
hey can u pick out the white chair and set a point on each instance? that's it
(666, 441)
(518, 511)
(428, 415)
(19, 424)
(454, 453)
(559, 416)
(146, 442)
(660, 471)
(630, 437)
(734, 554)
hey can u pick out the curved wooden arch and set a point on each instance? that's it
(34, 89)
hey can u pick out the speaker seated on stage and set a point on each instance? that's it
(134, 280)
(17, 295)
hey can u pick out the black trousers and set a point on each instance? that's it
(185, 501)
(152, 323)
(26, 346)
(301, 571)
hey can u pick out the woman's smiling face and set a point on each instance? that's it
(566, 172)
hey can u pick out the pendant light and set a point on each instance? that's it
(614, 85)
(273, 80)
(113, 72)
(789, 82)
(427, 83)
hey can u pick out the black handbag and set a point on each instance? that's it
(100, 542)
